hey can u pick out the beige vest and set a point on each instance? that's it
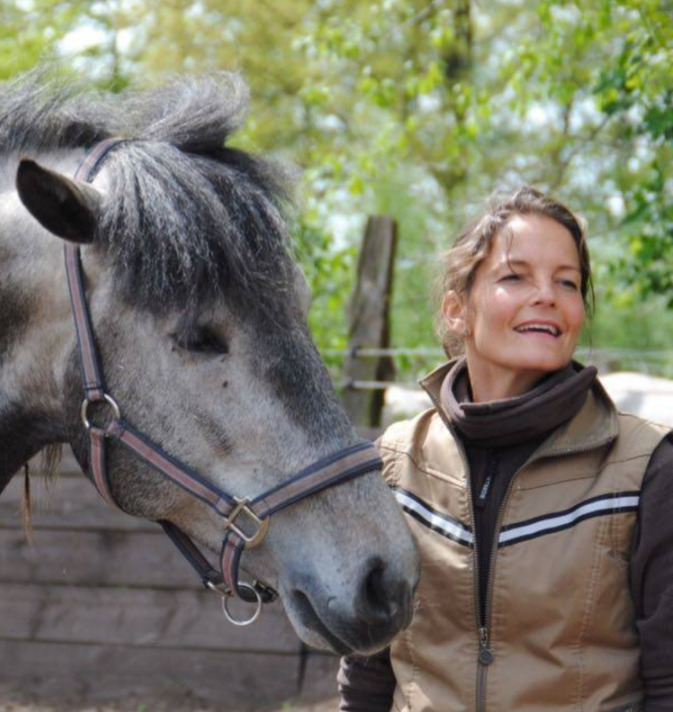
(560, 633)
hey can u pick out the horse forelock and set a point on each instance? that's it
(187, 228)
(185, 219)
(42, 111)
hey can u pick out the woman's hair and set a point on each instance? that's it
(472, 246)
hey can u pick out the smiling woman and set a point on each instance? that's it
(524, 312)
(541, 513)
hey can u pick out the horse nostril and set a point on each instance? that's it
(376, 603)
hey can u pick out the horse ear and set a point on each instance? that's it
(66, 207)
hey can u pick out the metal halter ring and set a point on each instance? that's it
(85, 407)
(227, 597)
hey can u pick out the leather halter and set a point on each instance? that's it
(255, 512)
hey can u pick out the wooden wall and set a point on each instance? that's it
(101, 607)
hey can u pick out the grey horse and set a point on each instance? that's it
(199, 313)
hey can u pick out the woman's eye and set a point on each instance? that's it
(568, 283)
(511, 277)
(201, 341)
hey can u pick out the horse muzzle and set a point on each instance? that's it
(362, 617)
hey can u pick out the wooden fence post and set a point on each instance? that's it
(370, 322)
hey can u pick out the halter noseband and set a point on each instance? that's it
(255, 512)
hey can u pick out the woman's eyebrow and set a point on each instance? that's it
(526, 263)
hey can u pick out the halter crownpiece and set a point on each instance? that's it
(245, 520)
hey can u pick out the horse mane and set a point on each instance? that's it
(185, 218)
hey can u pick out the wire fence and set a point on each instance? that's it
(652, 362)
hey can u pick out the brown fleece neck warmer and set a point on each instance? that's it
(552, 401)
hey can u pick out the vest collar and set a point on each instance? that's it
(596, 424)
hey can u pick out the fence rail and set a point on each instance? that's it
(648, 361)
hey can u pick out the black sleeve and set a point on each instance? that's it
(366, 684)
(651, 579)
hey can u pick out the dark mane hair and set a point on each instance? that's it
(186, 219)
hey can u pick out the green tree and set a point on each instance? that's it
(418, 109)
(614, 151)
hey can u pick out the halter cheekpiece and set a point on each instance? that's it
(245, 520)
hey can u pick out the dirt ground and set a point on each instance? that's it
(325, 706)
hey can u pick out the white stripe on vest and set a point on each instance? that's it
(614, 503)
(437, 521)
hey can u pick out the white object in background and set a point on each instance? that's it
(642, 395)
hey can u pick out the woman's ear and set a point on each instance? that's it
(454, 308)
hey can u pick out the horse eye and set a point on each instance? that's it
(201, 340)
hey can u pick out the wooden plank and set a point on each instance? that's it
(65, 503)
(90, 674)
(67, 467)
(103, 608)
(144, 618)
(319, 677)
(370, 321)
(104, 558)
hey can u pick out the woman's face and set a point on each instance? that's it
(524, 313)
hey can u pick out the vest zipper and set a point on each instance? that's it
(485, 658)
(484, 653)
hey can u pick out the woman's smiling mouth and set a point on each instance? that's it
(539, 327)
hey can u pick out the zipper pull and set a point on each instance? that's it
(485, 654)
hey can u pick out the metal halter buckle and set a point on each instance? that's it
(261, 525)
(106, 399)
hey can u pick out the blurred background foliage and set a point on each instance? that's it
(421, 109)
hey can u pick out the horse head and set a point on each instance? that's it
(199, 316)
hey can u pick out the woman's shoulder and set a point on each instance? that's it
(629, 422)
(423, 444)
(638, 436)
(401, 435)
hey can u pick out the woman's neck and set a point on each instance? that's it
(496, 384)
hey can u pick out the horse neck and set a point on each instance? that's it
(34, 342)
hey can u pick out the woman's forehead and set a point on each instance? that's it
(532, 239)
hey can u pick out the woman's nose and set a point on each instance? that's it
(544, 292)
